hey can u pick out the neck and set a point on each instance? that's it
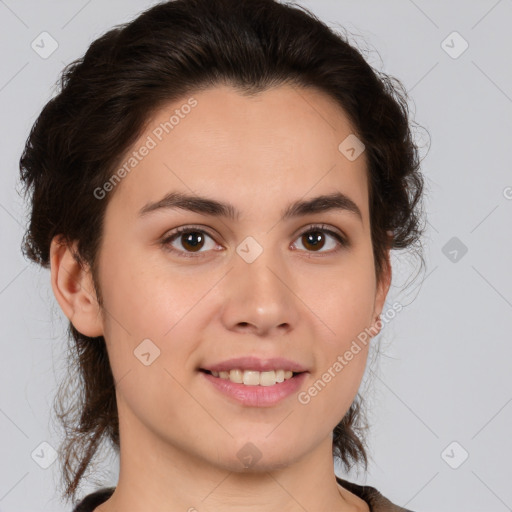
(158, 476)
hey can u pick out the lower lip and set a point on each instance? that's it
(257, 396)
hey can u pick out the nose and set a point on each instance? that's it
(259, 298)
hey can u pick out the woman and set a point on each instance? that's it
(216, 190)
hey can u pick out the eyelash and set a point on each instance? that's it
(342, 242)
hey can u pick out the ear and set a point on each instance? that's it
(73, 289)
(382, 292)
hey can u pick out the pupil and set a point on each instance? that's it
(189, 239)
(314, 240)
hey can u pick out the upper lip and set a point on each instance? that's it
(254, 363)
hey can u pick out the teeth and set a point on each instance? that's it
(255, 378)
(236, 376)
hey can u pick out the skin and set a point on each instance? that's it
(180, 436)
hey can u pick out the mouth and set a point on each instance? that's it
(252, 388)
(254, 377)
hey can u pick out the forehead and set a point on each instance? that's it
(279, 145)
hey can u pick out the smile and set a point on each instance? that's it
(257, 389)
(254, 377)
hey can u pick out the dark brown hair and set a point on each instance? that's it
(104, 103)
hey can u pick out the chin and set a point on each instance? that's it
(263, 465)
(259, 455)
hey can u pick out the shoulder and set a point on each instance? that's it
(376, 501)
(91, 501)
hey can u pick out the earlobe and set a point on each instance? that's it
(74, 290)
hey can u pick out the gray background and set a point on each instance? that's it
(443, 374)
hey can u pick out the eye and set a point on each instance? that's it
(315, 237)
(191, 239)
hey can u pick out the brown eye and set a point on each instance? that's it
(317, 237)
(187, 241)
(193, 240)
(313, 239)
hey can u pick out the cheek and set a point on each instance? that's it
(139, 298)
(149, 312)
(330, 392)
(344, 301)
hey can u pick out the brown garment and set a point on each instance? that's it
(91, 501)
(376, 502)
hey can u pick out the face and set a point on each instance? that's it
(255, 284)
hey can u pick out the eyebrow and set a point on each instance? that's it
(205, 206)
